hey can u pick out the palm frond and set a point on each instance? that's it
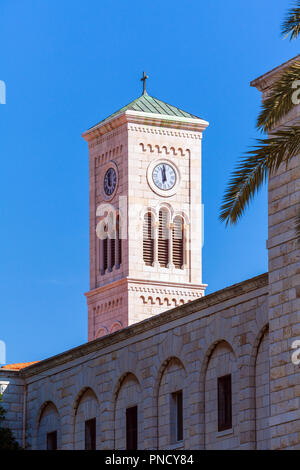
(283, 97)
(291, 24)
(253, 170)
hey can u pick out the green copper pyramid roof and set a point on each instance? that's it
(148, 104)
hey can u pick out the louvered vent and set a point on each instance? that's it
(178, 241)
(163, 241)
(148, 240)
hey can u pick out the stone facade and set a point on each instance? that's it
(183, 348)
(246, 330)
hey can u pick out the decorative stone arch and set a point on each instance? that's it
(183, 215)
(162, 369)
(207, 356)
(85, 380)
(150, 146)
(146, 210)
(42, 409)
(120, 382)
(102, 331)
(167, 207)
(80, 395)
(48, 403)
(252, 376)
(116, 327)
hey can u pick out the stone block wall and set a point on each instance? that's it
(184, 348)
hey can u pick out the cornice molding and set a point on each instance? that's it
(148, 119)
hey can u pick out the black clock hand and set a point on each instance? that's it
(164, 178)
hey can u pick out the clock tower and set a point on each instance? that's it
(145, 213)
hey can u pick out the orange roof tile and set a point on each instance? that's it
(19, 366)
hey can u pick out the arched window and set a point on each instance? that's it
(163, 239)
(148, 239)
(178, 242)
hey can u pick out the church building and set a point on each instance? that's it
(166, 366)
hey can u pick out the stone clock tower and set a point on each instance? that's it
(145, 214)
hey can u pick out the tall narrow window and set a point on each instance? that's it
(119, 241)
(112, 252)
(163, 239)
(148, 239)
(132, 428)
(90, 434)
(178, 242)
(52, 440)
(176, 417)
(224, 403)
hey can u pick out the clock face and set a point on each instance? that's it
(164, 176)
(110, 181)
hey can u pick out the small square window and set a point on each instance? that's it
(224, 403)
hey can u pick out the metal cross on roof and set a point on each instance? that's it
(143, 79)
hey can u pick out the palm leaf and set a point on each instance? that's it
(254, 168)
(291, 24)
(281, 99)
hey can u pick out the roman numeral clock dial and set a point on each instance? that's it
(164, 176)
(110, 181)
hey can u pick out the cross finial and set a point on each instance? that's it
(143, 79)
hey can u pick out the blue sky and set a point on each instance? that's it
(67, 65)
